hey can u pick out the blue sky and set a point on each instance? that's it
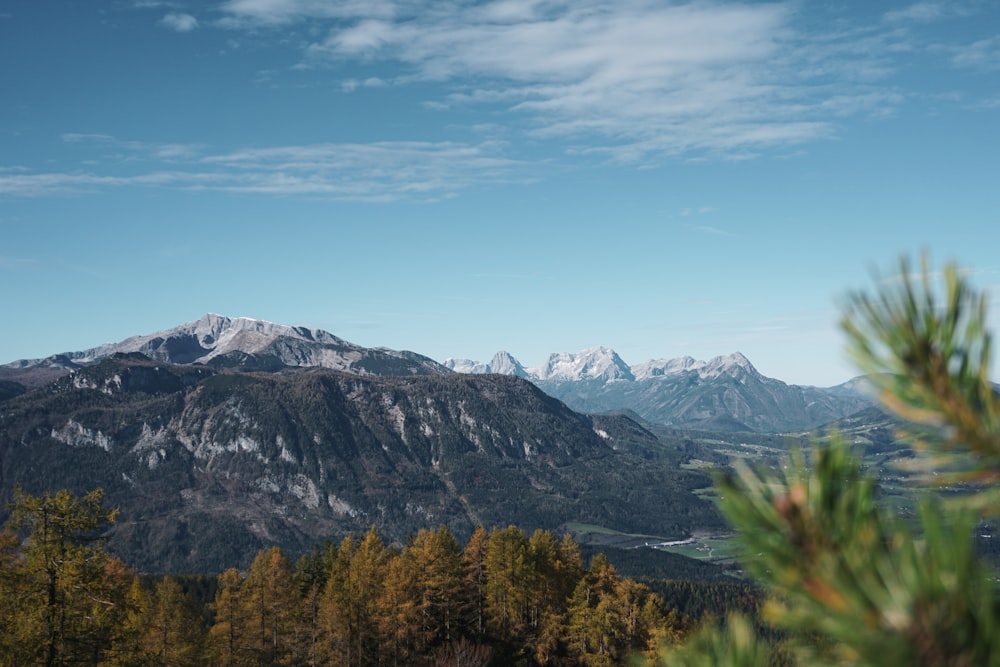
(457, 178)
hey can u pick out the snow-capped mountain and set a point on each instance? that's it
(723, 393)
(467, 366)
(661, 367)
(251, 344)
(595, 363)
(503, 363)
(733, 365)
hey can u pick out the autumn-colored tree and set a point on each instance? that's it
(227, 638)
(71, 595)
(11, 593)
(174, 631)
(509, 578)
(309, 580)
(590, 627)
(268, 599)
(557, 566)
(333, 642)
(128, 649)
(400, 617)
(349, 609)
(612, 618)
(435, 558)
(474, 565)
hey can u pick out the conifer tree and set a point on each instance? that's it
(128, 650)
(334, 640)
(70, 595)
(173, 634)
(474, 564)
(11, 593)
(349, 610)
(852, 582)
(509, 578)
(227, 641)
(436, 562)
(593, 626)
(309, 580)
(268, 597)
(400, 613)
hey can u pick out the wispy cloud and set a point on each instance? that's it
(635, 78)
(26, 183)
(380, 171)
(982, 54)
(252, 13)
(134, 150)
(179, 22)
(709, 230)
(931, 11)
(919, 12)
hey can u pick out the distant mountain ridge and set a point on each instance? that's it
(604, 364)
(725, 393)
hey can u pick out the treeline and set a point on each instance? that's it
(502, 598)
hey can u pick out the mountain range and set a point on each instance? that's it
(224, 435)
(209, 466)
(724, 394)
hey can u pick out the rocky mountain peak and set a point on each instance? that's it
(665, 367)
(469, 366)
(734, 365)
(252, 344)
(504, 363)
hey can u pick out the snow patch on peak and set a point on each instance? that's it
(219, 331)
(734, 365)
(665, 367)
(595, 363)
(469, 366)
(503, 363)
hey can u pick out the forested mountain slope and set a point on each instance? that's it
(208, 466)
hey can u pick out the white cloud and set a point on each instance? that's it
(32, 184)
(920, 12)
(250, 13)
(365, 37)
(180, 22)
(381, 171)
(350, 85)
(636, 77)
(133, 150)
(982, 54)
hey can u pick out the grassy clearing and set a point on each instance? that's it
(593, 529)
(714, 548)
